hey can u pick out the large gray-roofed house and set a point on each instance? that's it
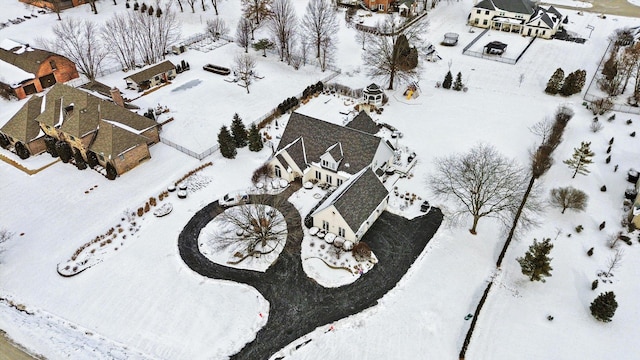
(22, 127)
(519, 16)
(316, 148)
(514, 6)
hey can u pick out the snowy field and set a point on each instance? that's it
(143, 302)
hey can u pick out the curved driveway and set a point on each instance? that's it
(298, 305)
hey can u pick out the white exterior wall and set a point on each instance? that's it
(539, 26)
(484, 16)
(311, 174)
(295, 171)
(335, 220)
(383, 154)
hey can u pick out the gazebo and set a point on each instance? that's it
(372, 95)
(495, 48)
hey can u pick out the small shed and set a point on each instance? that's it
(450, 39)
(495, 48)
(373, 95)
(151, 76)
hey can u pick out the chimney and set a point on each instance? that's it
(117, 97)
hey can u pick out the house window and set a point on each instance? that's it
(53, 64)
(329, 179)
(157, 78)
(101, 157)
(318, 175)
(339, 182)
(544, 31)
(478, 11)
(381, 7)
(121, 156)
(72, 138)
(484, 22)
(476, 21)
(486, 12)
(501, 13)
(325, 225)
(341, 232)
(325, 163)
(277, 171)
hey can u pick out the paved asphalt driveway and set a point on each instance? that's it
(298, 305)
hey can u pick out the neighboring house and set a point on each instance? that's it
(315, 149)
(351, 210)
(408, 7)
(49, 4)
(25, 70)
(519, 16)
(94, 127)
(151, 76)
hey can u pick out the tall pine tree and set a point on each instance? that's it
(604, 306)
(580, 159)
(255, 140)
(555, 82)
(238, 131)
(573, 83)
(226, 143)
(448, 79)
(536, 263)
(457, 85)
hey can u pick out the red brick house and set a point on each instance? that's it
(64, 4)
(25, 70)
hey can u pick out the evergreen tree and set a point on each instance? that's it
(555, 82)
(226, 143)
(405, 55)
(573, 83)
(21, 150)
(604, 306)
(50, 143)
(610, 68)
(4, 141)
(64, 151)
(580, 159)
(448, 79)
(536, 262)
(111, 171)
(150, 11)
(255, 140)
(239, 131)
(80, 163)
(457, 86)
(92, 159)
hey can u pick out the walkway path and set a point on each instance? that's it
(298, 305)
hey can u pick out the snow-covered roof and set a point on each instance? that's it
(13, 75)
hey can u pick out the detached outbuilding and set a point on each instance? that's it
(151, 76)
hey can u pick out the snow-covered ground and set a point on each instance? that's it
(142, 301)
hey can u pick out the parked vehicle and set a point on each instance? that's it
(233, 198)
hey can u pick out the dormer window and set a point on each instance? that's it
(53, 64)
(329, 165)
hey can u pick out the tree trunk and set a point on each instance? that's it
(392, 75)
(512, 231)
(563, 209)
(475, 224)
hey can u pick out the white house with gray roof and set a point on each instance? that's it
(353, 208)
(311, 148)
(519, 16)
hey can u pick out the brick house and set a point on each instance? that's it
(48, 4)
(151, 76)
(93, 127)
(25, 70)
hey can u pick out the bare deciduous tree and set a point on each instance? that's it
(256, 10)
(215, 6)
(569, 198)
(320, 24)
(382, 57)
(78, 40)
(154, 34)
(258, 228)
(243, 33)
(192, 5)
(363, 37)
(244, 64)
(482, 183)
(216, 28)
(614, 262)
(283, 23)
(119, 40)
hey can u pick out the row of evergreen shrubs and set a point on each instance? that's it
(288, 104)
(313, 89)
(572, 84)
(144, 8)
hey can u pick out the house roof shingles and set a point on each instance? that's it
(364, 123)
(317, 136)
(359, 200)
(28, 60)
(516, 6)
(112, 140)
(152, 71)
(22, 126)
